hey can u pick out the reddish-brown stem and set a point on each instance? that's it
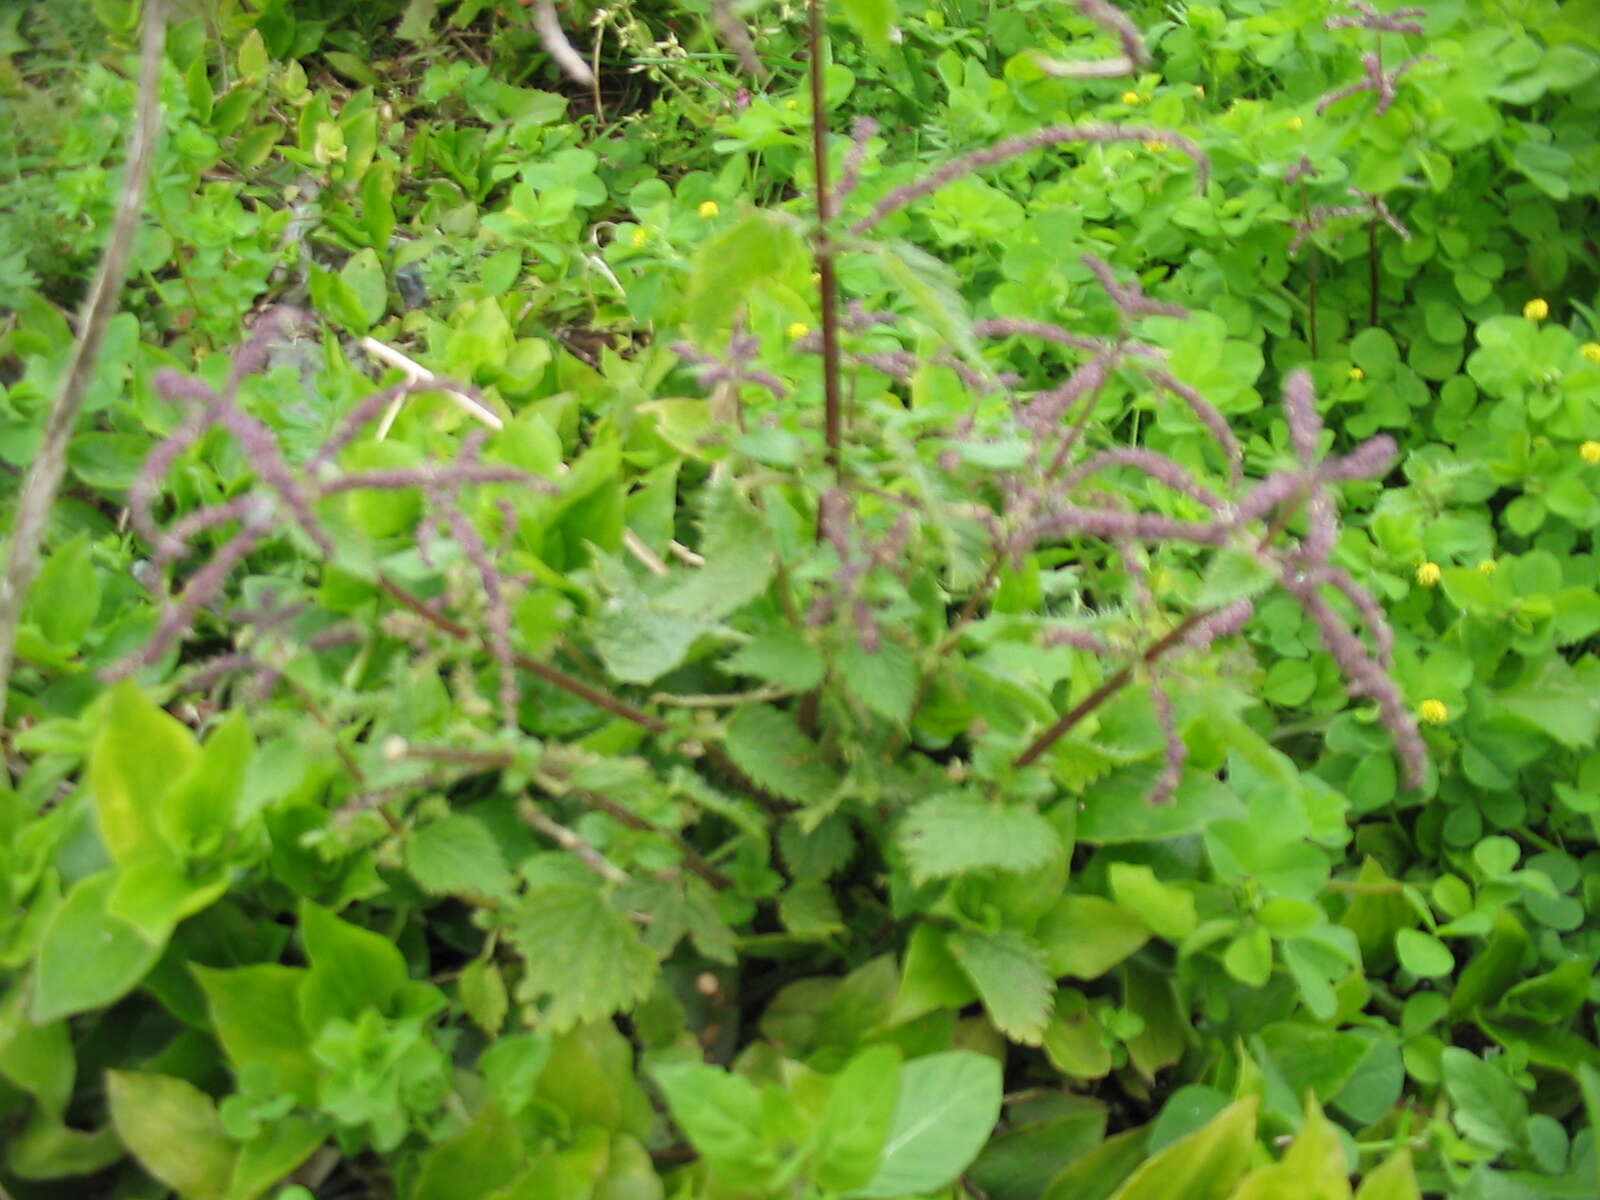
(1111, 685)
(833, 412)
(553, 675)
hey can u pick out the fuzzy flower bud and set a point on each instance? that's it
(1488, 567)
(1433, 712)
(1590, 452)
(1429, 574)
(1536, 309)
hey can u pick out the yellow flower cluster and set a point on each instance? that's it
(1488, 567)
(798, 330)
(1429, 574)
(1590, 453)
(1433, 712)
(708, 209)
(1536, 309)
(1357, 374)
(641, 235)
(1591, 351)
(1130, 98)
(1296, 124)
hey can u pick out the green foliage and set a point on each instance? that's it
(583, 685)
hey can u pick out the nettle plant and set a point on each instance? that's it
(869, 732)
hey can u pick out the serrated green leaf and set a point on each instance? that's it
(767, 745)
(738, 551)
(581, 953)
(1010, 976)
(780, 656)
(959, 832)
(884, 680)
(458, 856)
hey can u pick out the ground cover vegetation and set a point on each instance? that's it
(1012, 616)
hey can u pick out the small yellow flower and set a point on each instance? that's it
(798, 330)
(641, 235)
(1155, 145)
(791, 105)
(1536, 310)
(1591, 351)
(1296, 124)
(1429, 574)
(1357, 374)
(708, 209)
(1488, 567)
(1434, 712)
(1130, 98)
(1199, 91)
(1590, 453)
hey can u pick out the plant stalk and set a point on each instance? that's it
(49, 468)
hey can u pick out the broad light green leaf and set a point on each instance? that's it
(762, 245)
(959, 832)
(255, 1011)
(171, 1127)
(720, 1113)
(1097, 1174)
(139, 753)
(1008, 972)
(1424, 955)
(946, 1109)
(363, 274)
(873, 20)
(1168, 910)
(581, 953)
(36, 1058)
(767, 745)
(473, 1164)
(1205, 1165)
(153, 895)
(278, 1149)
(1312, 1168)
(931, 978)
(352, 969)
(458, 856)
(87, 958)
(198, 810)
(856, 1121)
(1394, 1180)
(1487, 1106)
(66, 594)
(1085, 936)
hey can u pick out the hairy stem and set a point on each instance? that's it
(833, 414)
(44, 478)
